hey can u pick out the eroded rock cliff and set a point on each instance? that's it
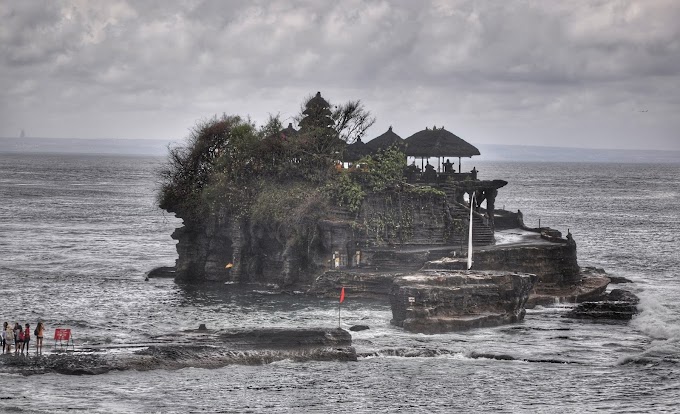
(388, 232)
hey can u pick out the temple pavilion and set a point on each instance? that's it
(428, 162)
(438, 145)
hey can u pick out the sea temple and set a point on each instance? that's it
(390, 218)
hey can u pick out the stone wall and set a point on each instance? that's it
(404, 218)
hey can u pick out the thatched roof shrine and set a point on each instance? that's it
(356, 151)
(288, 132)
(438, 142)
(385, 141)
(317, 114)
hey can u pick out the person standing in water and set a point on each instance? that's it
(27, 338)
(2, 336)
(18, 337)
(39, 330)
(9, 337)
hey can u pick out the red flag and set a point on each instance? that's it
(342, 294)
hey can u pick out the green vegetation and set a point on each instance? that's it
(229, 166)
(345, 192)
(285, 180)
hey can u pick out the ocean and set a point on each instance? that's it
(79, 232)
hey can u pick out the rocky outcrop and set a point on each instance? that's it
(554, 263)
(588, 288)
(162, 272)
(196, 348)
(365, 284)
(435, 301)
(618, 304)
(393, 230)
(205, 249)
(280, 338)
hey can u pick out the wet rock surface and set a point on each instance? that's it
(619, 304)
(360, 282)
(588, 288)
(69, 363)
(163, 271)
(436, 301)
(205, 348)
(552, 262)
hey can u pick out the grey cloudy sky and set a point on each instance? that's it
(590, 73)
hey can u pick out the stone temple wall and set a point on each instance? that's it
(404, 219)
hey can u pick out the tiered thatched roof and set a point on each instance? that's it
(288, 132)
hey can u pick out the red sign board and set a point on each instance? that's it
(62, 334)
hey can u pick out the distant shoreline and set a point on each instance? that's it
(490, 152)
(108, 146)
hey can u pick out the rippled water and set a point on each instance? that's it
(78, 233)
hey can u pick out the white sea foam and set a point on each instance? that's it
(656, 319)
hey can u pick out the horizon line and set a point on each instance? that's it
(170, 141)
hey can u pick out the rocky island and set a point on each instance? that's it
(301, 209)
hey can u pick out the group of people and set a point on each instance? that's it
(21, 337)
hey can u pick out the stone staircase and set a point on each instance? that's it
(482, 235)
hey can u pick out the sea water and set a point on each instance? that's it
(78, 233)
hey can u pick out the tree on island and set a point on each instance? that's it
(349, 120)
(225, 159)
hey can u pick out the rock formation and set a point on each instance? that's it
(618, 304)
(285, 210)
(434, 301)
(194, 348)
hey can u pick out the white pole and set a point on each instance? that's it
(469, 259)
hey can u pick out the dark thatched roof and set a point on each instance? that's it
(283, 135)
(438, 142)
(289, 131)
(385, 141)
(317, 105)
(355, 151)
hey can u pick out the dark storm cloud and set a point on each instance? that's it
(512, 71)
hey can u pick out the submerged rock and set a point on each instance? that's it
(163, 271)
(442, 301)
(278, 338)
(618, 280)
(358, 328)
